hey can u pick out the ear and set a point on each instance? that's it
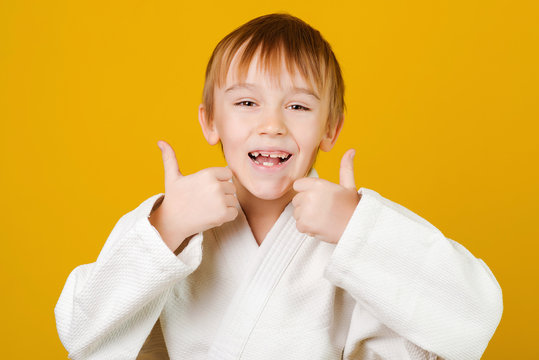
(208, 127)
(331, 136)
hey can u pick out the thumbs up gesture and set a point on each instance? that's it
(192, 203)
(321, 208)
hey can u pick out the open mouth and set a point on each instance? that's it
(269, 158)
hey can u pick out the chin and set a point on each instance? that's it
(268, 192)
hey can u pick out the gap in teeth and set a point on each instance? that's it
(282, 156)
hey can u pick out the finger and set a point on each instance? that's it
(222, 173)
(228, 187)
(296, 214)
(304, 184)
(172, 172)
(231, 200)
(347, 170)
(231, 213)
(298, 199)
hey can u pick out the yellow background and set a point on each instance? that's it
(442, 109)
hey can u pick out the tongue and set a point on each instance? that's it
(262, 159)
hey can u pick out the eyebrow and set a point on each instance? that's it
(253, 87)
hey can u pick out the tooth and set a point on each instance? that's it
(274, 156)
(255, 154)
(267, 163)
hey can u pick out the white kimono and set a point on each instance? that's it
(392, 288)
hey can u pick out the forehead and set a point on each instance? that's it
(273, 70)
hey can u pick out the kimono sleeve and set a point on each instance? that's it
(405, 273)
(107, 308)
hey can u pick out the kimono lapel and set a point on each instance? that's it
(259, 270)
(237, 245)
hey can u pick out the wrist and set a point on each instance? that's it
(172, 239)
(348, 212)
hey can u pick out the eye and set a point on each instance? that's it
(245, 103)
(299, 107)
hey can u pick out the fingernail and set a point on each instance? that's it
(159, 145)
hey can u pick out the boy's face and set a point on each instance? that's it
(258, 117)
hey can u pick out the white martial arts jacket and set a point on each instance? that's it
(393, 287)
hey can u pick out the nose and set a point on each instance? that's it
(272, 123)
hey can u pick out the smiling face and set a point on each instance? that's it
(270, 130)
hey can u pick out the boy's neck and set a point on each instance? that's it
(261, 214)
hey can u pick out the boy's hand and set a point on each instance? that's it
(322, 208)
(192, 203)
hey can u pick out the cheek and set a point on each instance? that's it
(233, 142)
(307, 130)
(308, 140)
(229, 132)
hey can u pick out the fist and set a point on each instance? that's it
(321, 208)
(192, 203)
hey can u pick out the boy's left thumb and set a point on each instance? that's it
(347, 170)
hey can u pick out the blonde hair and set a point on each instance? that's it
(278, 36)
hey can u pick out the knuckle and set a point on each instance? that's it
(219, 221)
(214, 223)
(221, 186)
(227, 187)
(215, 188)
(224, 202)
(223, 213)
(212, 175)
(220, 204)
(224, 217)
(212, 172)
(309, 213)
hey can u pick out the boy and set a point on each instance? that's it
(264, 260)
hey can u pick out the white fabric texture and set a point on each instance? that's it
(394, 287)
